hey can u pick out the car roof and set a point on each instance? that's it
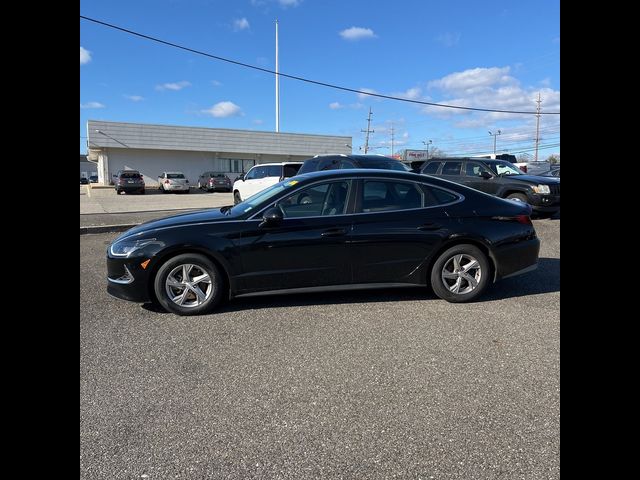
(276, 163)
(373, 156)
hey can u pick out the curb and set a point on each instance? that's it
(106, 228)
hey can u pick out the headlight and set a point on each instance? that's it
(126, 247)
(544, 189)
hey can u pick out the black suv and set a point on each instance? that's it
(335, 162)
(128, 181)
(500, 178)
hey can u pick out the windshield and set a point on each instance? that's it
(505, 168)
(263, 196)
(175, 175)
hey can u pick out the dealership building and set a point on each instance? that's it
(153, 149)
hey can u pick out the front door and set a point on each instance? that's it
(307, 249)
(473, 178)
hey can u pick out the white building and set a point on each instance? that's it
(153, 149)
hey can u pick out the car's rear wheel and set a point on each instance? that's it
(460, 274)
(188, 284)
(142, 191)
(236, 198)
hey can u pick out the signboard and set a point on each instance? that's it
(413, 155)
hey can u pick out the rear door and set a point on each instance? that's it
(452, 170)
(396, 227)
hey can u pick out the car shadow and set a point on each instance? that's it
(545, 279)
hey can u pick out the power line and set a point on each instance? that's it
(302, 79)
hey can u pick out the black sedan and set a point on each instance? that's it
(340, 229)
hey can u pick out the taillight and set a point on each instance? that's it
(166, 182)
(524, 219)
(524, 168)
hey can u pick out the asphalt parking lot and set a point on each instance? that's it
(371, 384)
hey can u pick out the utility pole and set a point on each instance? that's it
(392, 139)
(277, 85)
(495, 136)
(368, 131)
(537, 126)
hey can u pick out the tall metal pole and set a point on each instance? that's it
(537, 126)
(495, 136)
(392, 139)
(366, 141)
(277, 85)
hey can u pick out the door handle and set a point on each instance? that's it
(334, 232)
(430, 226)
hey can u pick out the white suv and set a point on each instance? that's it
(262, 176)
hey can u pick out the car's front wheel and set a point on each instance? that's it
(236, 198)
(520, 197)
(189, 284)
(460, 274)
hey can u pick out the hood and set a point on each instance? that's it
(209, 215)
(535, 179)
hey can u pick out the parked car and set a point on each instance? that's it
(554, 172)
(334, 162)
(368, 229)
(128, 181)
(93, 179)
(214, 181)
(84, 180)
(173, 182)
(500, 178)
(262, 176)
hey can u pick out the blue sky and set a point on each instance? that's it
(488, 54)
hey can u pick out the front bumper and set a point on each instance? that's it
(136, 288)
(544, 203)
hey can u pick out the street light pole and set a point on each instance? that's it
(495, 136)
(427, 144)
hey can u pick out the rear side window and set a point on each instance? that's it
(432, 168)
(436, 196)
(383, 196)
(290, 170)
(451, 168)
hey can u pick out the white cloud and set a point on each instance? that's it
(240, 24)
(223, 110)
(335, 105)
(413, 93)
(357, 33)
(473, 79)
(134, 98)
(362, 96)
(85, 56)
(216, 83)
(449, 39)
(173, 86)
(91, 105)
(289, 3)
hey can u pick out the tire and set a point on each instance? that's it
(445, 279)
(163, 190)
(236, 197)
(521, 197)
(170, 296)
(199, 186)
(142, 191)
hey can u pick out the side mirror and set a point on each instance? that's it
(486, 175)
(271, 218)
(114, 175)
(241, 177)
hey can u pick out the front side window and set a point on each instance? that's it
(291, 170)
(273, 171)
(383, 196)
(329, 164)
(505, 168)
(318, 200)
(475, 169)
(256, 173)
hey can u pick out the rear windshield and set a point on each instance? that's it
(175, 175)
(218, 175)
(384, 164)
(129, 175)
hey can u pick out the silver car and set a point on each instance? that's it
(173, 182)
